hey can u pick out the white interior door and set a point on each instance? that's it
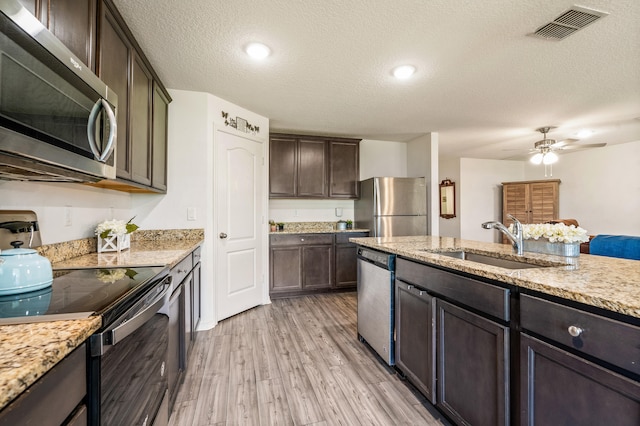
(239, 191)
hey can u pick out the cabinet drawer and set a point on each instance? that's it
(343, 237)
(53, 397)
(196, 255)
(180, 271)
(488, 298)
(609, 340)
(300, 239)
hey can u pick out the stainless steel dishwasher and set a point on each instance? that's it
(376, 274)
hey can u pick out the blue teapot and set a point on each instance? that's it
(23, 270)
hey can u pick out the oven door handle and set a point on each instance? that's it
(112, 337)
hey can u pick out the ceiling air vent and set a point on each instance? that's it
(568, 23)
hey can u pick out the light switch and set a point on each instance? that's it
(191, 213)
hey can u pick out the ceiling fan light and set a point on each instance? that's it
(550, 158)
(537, 158)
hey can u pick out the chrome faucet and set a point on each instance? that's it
(515, 237)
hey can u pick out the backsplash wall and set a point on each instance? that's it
(66, 211)
(309, 210)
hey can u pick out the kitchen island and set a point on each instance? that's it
(493, 338)
(603, 282)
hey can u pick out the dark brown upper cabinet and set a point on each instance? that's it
(313, 167)
(160, 120)
(141, 151)
(73, 22)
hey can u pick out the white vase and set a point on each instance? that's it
(559, 249)
(114, 243)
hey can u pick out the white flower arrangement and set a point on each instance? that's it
(115, 227)
(555, 233)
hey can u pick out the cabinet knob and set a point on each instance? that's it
(574, 330)
(409, 287)
(301, 239)
(223, 235)
(421, 292)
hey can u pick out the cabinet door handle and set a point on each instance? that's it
(574, 330)
(223, 235)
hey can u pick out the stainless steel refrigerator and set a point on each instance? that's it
(390, 206)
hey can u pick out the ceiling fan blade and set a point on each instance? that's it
(564, 142)
(583, 146)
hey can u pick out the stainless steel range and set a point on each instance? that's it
(128, 354)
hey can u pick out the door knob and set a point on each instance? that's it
(223, 235)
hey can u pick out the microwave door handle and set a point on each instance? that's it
(112, 131)
(91, 130)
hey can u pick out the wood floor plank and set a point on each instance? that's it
(330, 396)
(272, 403)
(294, 362)
(303, 402)
(243, 393)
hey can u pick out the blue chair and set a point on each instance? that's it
(623, 246)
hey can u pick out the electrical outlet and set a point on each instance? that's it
(191, 213)
(67, 216)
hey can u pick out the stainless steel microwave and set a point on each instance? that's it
(57, 118)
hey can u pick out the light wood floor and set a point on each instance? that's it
(295, 362)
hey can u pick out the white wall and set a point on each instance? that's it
(377, 158)
(382, 158)
(55, 204)
(449, 168)
(422, 161)
(481, 194)
(600, 188)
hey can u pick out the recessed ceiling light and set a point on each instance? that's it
(404, 71)
(257, 50)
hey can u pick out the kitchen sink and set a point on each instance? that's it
(493, 260)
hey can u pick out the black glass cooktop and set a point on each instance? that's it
(106, 292)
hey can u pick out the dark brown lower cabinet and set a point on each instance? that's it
(473, 367)
(346, 259)
(559, 388)
(301, 263)
(415, 337)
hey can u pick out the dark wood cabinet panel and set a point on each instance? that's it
(283, 154)
(53, 397)
(415, 337)
(560, 388)
(317, 267)
(74, 23)
(473, 367)
(286, 274)
(139, 122)
(113, 69)
(344, 172)
(159, 149)
(312, 169)
(346, 259)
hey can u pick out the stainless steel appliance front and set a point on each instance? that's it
(390, 206)
(57, 119)
(376, 301)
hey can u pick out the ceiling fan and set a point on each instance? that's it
(544, 151)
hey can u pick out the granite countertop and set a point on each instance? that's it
(604, 282)
(28, 351)
(141, 253)
(318, 231)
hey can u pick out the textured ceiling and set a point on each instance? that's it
(482, 83)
